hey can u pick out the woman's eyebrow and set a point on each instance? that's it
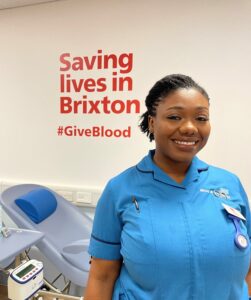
(175, 107)
(182, 107)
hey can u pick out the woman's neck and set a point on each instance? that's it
(176, 170)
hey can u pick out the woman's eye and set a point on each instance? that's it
(174, 118)
(202, 118)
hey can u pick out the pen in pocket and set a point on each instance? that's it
(135, 203)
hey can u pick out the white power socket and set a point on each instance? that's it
(66, 194)
(84, 197)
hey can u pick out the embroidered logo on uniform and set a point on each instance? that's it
(219, 193)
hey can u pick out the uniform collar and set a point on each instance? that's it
(147, 165)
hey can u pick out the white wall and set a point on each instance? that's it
(209, 40)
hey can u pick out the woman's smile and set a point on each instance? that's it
(185, 145)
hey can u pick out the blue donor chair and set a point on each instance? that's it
(66, 230)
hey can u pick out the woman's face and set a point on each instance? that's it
(181, 126)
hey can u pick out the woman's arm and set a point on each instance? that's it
(102, 276)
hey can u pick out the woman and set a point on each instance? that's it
(172, 227)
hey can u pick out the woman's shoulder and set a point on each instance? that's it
(222, 172)
(124, 176)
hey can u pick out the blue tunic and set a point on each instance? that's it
(176, 240)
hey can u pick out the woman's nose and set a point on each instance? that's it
(188, 128)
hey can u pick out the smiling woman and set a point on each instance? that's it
(172, 227)
(180, 127)
(177, 118)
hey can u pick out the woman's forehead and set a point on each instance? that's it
(182, 98)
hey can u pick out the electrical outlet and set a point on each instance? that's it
(66, 194)
(84, 197)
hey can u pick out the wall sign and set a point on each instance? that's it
(79, 90)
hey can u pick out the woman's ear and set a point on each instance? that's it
(150, 124)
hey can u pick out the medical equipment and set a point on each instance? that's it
(25, 280)
(14, 251)
(66, 233)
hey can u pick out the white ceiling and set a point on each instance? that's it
(7, 4)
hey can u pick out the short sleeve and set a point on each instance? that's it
(106, 231)
(246, 208)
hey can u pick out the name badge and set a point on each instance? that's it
(240, 239)
(233, 212)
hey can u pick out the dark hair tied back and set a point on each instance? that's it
(162, 89)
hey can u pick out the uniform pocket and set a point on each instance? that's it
(137, 238)
(138, 244)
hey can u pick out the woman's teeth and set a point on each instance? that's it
(185, 143)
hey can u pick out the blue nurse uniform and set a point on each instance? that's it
(176, 240)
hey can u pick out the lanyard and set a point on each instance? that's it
(240, 240)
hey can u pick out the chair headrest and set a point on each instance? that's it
(37, 204)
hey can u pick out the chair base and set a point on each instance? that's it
(46, 295)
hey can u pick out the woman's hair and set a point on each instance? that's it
(162, 89)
